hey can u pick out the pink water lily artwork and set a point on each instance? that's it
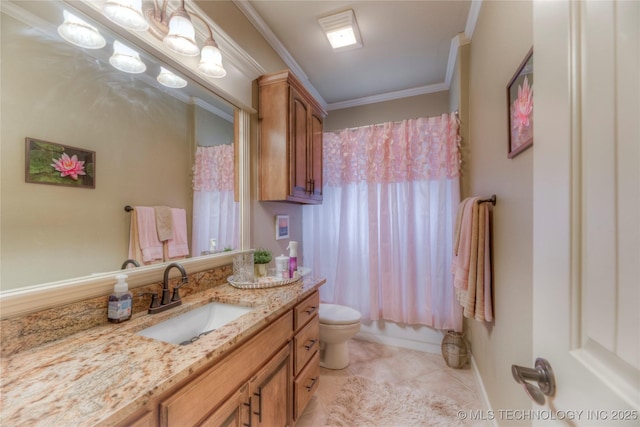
(522, 108)
(69, 166)
(520, 97)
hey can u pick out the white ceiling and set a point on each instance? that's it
(409, 45)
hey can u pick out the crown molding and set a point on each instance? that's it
(212, 109)
(266, 32)
(389, 96)
(472, 18)
(457, 41)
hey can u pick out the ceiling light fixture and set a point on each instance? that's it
(169, 79)
(175, 29)
(342, 30)
(80, 33)
(126, 59)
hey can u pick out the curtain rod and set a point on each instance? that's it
(456, 112)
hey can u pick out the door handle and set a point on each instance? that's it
(541, 374)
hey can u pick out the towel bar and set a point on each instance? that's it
(492, 199)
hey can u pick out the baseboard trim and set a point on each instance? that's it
(399, 342)
(484, 397)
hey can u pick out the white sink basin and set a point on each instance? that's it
(189, 327)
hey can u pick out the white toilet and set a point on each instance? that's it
(337, 325)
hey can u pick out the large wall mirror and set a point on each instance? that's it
(145, 137)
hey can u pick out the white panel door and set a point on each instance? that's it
(587, 209)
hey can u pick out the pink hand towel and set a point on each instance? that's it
(178, 246)
(147, 235)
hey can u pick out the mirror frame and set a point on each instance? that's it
(39, 297)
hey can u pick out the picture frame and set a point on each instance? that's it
(520, 107)
(282, 227)
(58, 164)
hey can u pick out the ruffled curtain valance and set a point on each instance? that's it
(411, 150)
(213, 168)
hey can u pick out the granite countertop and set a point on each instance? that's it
(104, 374)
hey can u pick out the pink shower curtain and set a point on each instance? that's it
(215, 212)
(383, 235)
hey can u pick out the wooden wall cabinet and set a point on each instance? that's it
(290, 145)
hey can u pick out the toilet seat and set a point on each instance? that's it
(333, 314)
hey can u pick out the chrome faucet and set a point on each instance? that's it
(130, 261)
(167, 301)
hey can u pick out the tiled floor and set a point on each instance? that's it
(425, 371)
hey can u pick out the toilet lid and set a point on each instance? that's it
(333, 314)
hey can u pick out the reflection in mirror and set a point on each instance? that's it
(144, 136)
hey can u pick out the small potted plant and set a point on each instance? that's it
(261, 257)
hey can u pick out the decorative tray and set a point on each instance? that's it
(262, 282)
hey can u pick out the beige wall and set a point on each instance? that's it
(431, 104)
(502, 37)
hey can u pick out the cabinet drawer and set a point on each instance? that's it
(306, 385)
(306, 344)
(304, 311)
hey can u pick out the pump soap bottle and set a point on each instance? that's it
(293, 258)
(120, 301)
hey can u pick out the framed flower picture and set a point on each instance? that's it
(520, 102)
(57, 164)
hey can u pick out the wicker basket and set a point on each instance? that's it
(454, 350)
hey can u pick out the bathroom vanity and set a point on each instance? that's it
(260, 369)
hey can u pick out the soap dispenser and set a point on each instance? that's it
(120, 301)
(293, 258)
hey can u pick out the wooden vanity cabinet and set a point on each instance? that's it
(263, 401)
(229, 392)
(267, 381)
(290, 145)
(306, 349)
